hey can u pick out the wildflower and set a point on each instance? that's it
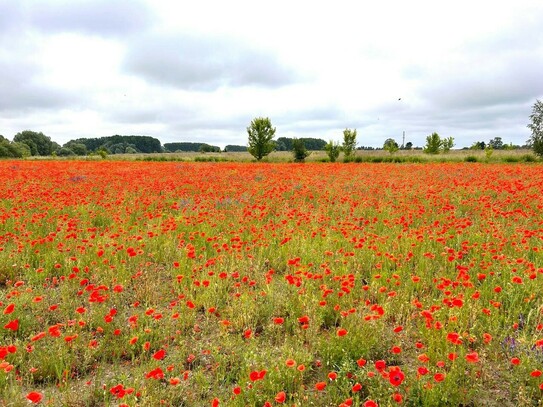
(320, 386)
(472, 357)
(281, 397)
(12, 325)
(396, 376)
(341, 332)
(380, 365)
(34, 397)
(159, 355)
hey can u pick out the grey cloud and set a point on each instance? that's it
(11, 15)
(514, 79)
(204, 63)
(91, 17)
(502, 67)
(21, 88)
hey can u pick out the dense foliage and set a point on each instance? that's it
(333, 149)
(536, 127)
(235, 148)
(299, 150)
(38, 143)
(349, 143)
(435, 144)
(120, 144)
(186, 146)
(312, 144)
(261, 133)
(12, 149)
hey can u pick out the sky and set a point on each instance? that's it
(200, 71)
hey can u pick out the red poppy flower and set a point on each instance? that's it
(397, 397)
(159, 355)
(9, 309)
(380, 365)
(472, 357)
(396, 376)
(303, 320)
(320, 386)
(34, 397)
(155, 374)
(341, 332)
(281, 397)
(12, 325)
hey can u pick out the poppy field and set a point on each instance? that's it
(244, 284)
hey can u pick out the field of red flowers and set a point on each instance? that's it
(201, 284)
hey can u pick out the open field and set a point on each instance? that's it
(242, 284)
(375, 156)
(360, 156)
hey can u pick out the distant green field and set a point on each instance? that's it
(519, 155)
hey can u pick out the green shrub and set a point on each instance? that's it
(528, 158)
(299, 150)
(470, 159)
(511, 159)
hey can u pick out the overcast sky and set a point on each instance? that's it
(201, 70)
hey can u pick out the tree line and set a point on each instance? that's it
(260, 143)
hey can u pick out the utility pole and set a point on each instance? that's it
(403, 140)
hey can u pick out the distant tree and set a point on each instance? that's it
(38, 143)
(299, 150)
(10, 149)
(182, 146)
(261, 134)
(77, 148)
(314, 144)
(65, 152)
(281, 144)
(349, 143)
(234, 148)
(118, 144)
(488, 152)
(433, 144)
(408, 145)
(206, 148)
(478, 145)
(510, 146)
(332, 150)
(536, 127)
(390, 145)
(447, 144)
(496, 143)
